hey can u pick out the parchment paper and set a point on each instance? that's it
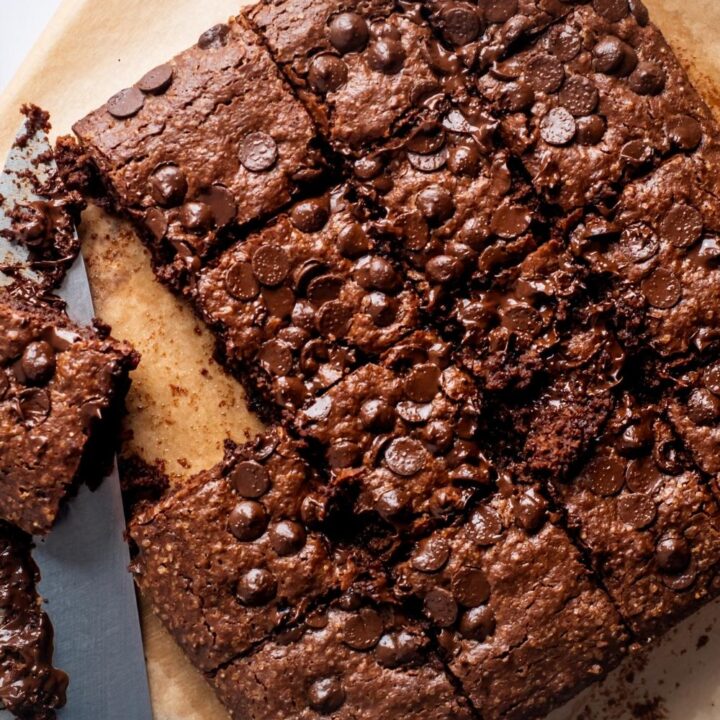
(182, 406)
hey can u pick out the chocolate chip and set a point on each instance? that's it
(580, 96)
(486, 526)
(477, 623)
(248, 521)
(428, 163)
(258, 152)
(711, 378)
(423, 383)
(639, 242)
(279, 302)
(363, 630)
(276, 357)
(382, 309)
(470, 587)
(343, 454)
(326, 695)
(558, 127)
(662, 289)
(681, 582)
(250, 479)
(431, 555)
(240, 281)
(640, 11)
(216, 37)
(545, 73)
(510, 221)
(38, 362)
(196, 217)
(256, 587)
(221, 203)
(324, 289)
(405, 456)
(327, 73)
(464, 159)
(377, 416)
(386, 55)
(399, 649)
(126, 103)
(369, 167)
(637, 510)
(635, 438)
(522, 319)
(614, 57)
(441, 607)
(156, 222)
(376, 273)
(333, 319)
(168, 185)
(157, 80)
(460, 23)
(636, 153)
(682, 226)
(500, 11)
(672, 554)
(604, 474)
(436, 204)
(4, 384)
(392, 504)
(647, 79)
(703, 407)
(530, 510)
(444, 269)
(352, 241)
(685, 132)
(612, 10)
(348, 32)
(271, 265)
(34, 406)
(287, 538)
(591, 129)
(310, 215)
(565, 43)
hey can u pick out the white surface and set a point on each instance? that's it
(21, 21)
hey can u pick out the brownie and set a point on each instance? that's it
(295, 302)
(454, 210)
(30, 687)
(597, 99)
(353, 660)
(228, 559)
(59, 386)
(647, 520)
(363, 68)
(401, 434)
(662, 240)
(520, 621)
(211, 140)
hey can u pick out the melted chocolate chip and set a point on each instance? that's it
(38, 362)
(258, 152)
(672, 554)
(377, 416)
(348, 32)
(168, 185)
(310, 215)
(703, 407)
(386, 55)
(460, 23)
(637, 510)
(323, 289)
(214, 38)
(477, 623)
(431, 555)
(287, 538)
(4, 384)
(221, 203)
(510, 221)
(682, 226)
(423, 383)
(196, 217)
(34, 406)
(405, 456)
(685, 132)
(440, 606)
(256, 587)
(248, 521)
(271, 265)
(363, 630)
(518, 96)
(711, 378)
(604, 475)
(662, 289)
(470, 587)
(565, 43)
(444, 269)
(591, 129)
(428, 163)
(580, 96)
(545, 73)
(157, 80)
(240, 281)
(276, 357)
(279, 302)
(156, 222)
(333, 319)
(639, 243)
(343, 454)
(530, 510)
(464, 159)
(612, 10)
(614, 57)
(326, 695)
(327, 73)
(376, 273)
(126, 103)
(436, 204)
(352, 241)
(250, 479)
(399, 649)
(647, 79)
(500, 11)
(558, 127)
(486, 525)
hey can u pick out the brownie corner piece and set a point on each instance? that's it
(60, 387)
(30, 687)
(210, 140)
(352, 659)
(228, 559)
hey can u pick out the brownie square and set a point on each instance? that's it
(661, 240)
(401, 434)
(30, 687)
(353, 660)
(58, 383)
(362, 68)
(295, 301)
(228, 559)
(648, 521)
(452, 207)
(597, 99)
(211, 140)
(522, 625)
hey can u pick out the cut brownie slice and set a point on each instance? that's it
(598, 98)
(361, 67)
(228, 559)
(402, 433)
(663, 241)
(353, 660)
(523, 625)
(294, 302)
(453, 209)
(30, 687)
(214, 138)
(57, 381)
(650, 525)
